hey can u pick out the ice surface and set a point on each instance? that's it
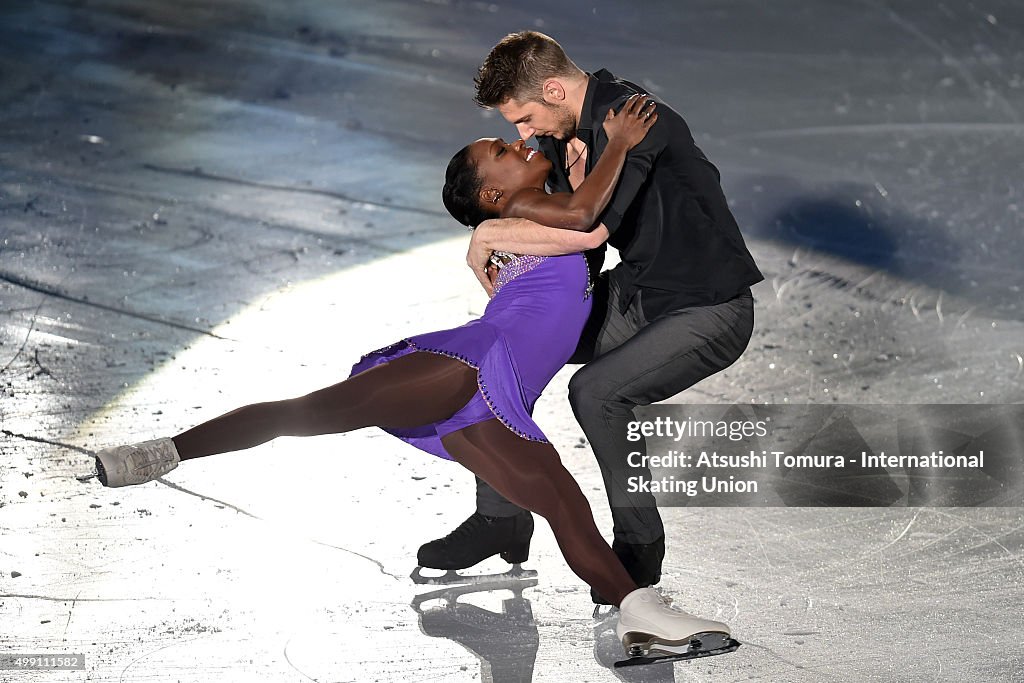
(207, 204)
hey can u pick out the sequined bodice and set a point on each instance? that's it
(512, 266)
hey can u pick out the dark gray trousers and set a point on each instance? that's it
(630, 362)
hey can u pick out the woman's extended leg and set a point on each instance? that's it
(531, 475)
(409, 391)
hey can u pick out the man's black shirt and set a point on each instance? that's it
(678, 241)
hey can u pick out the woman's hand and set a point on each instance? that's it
(631, 124)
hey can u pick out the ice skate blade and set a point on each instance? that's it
(643, 650)
(101, 473)
(452, 577)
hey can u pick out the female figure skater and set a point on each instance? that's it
(467, 394)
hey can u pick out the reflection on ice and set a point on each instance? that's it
(506, 642)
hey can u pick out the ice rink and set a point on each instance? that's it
(208, 204)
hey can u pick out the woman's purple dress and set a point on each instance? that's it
(527, 333)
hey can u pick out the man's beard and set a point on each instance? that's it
(565, 120)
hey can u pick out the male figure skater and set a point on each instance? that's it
(677, 309)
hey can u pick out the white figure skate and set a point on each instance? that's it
(136, 463)
(652, 631)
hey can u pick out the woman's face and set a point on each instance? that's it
(508, 167)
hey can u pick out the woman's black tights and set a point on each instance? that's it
(418, 389)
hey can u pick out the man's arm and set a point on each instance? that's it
(639, 164)
(521, 236)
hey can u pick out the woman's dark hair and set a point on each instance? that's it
(461, 192)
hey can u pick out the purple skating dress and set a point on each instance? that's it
(527, 333)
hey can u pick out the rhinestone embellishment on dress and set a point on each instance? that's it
(516, 267)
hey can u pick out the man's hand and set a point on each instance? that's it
(478, 259)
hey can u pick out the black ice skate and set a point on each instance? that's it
(475, 540)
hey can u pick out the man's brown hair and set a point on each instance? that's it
(517, 67)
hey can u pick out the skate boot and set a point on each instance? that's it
(472, 542)
(641, 560)
(137, 463)
(652, 631)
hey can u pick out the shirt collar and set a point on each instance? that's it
(585, 129)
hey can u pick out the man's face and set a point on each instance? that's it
(540, 119)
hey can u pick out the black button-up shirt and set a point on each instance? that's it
(678, 241)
